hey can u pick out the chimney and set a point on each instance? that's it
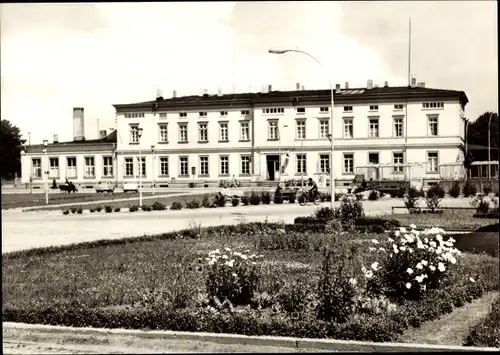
(78, 124)
(413, 82)
(421, 85)
(386, 84)
(369, 84)
(297, 86)
(337, 88)
(102, 133)
(205, 92)
(174, 94)
(56, 138)
(303, 88)
(347, 85)
(269, 88)
(219, 92)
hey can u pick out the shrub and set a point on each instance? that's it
(98, 209)
(176, 206)
(349, 211)
(73, 210)
(254, 198)
(376, 224)
(79, 210)
(108, 209)
(158, 206)
(245, 200)
(373, 196)
(434, 196)
(205, 202)
(294, 297)
(324, 213)
(410, 198)
(220, 200)
(133, 208)
(117, 209)
(65, 212)
(454, 190)
(194, 204)
(266, 197)
(235, 201)
(487, 189)
(278, 199)
(469, 189)
(232, 276)
(91, 210)
(146, 208)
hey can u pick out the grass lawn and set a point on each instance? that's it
(129, 283)
(449, 220)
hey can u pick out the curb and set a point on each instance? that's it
(235, 339)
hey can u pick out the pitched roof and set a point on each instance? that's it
(345, 95)
(110, 138)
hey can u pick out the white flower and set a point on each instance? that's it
(408, 285)
(234, 274)
(227, 249)
(224, 257)
(371, 249)
(402, 248)
(244, 257)
(254, 263)
(441, 267)
(363, 269)
(439, 250)
(409, 271)
(374, 241)
(369, 274)
(375, 266)
(420, 245)
(432, 243)
(402, 229)
(426, 240)
(390, 239)
(453, 260)
(353, 281)
(432, 267)
(409, 238)
(230, 263)
(471, 279)
(396, 233)
(419, 266)
(252, 256)
(412, 226)
(211, 262)
(381, 249)
(439, 237)
(423, 262)
(451, 240)
(217, 251)
(419, 279)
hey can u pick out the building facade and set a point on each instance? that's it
(378, 132)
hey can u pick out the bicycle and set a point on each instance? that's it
(307, 197)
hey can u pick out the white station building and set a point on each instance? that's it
(383, 133)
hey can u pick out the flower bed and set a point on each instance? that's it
(304, 284)
(487, 332)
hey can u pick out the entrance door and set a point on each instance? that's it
(272, 166)
(373, 160)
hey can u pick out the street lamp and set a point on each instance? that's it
(489, 146)
(139, 135)
(46, 172)
(153, 156)
(332, 140)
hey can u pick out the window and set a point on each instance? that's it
(71, 167)
(433, 126)
(324, 163)
(245, 112)
(398, 107)
(203, 132)
(163, 115)
(273, 110)
(273, 130)
(433, 105)
(373, 107)
(348, 128)
(134, 115)
(163, 130)
(142, 165)
(348, 163)
(324, 109)
(54, 168)
(183, 133)
(301, 110)
(324, 129)
(223, 113)
(223, 132)
(398, 159)
(36, 167)
(134, 135)
(347, 108)
(245, 165)
(89, 167)
(182, 114)
(244, 131)
(203, 114)
(432, 162)
(301, 129)
(129, 167)
(373, 127)
(107, 166)
(164, 166)
(184, 166)
(204, 166)
(398, 126)
(301, 163)
(224, 165)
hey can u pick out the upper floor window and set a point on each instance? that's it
(347, 108)
(134, 134)
(374, 127)
(223, 113)
(163, 133)
(182, 114)
(244, 131)
(324, 129)
(398, 107)
(398, 161)
(223, 132)
(245, 112)
(273, 110)
(301, 129)
(203, 114)
(432, 104)
(348, 128)
(373, 107)
(36, 167)
(183, 133)
(273, 130)
(134, 115)
(398, 126)
(301, 110)
(324, 109)
(203, 132)
(433, 126)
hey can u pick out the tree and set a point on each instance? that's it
(477, 135)
(11, 145)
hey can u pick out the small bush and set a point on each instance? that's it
(454, 190)
(434, 196)
(266, 197)
(205, 202)
(349, 211)
(176, 206)
(98, 209)
(245, 200)
(278, 199)
(487, 189)
(220, 200)
(158, 206)
(324, 213)
(91, 210)
(146, 208)
(235, 201)
(79, 210)
(117, 209)
(133, 208)
(73, 210)
(66, 212)
(108, 209)
(469, 189)
(194, 204)
(373, 196)
(255, 198)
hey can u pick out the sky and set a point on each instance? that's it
(58, 56)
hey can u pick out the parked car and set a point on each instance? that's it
(69, 188)
(105, 186)
(130, 186)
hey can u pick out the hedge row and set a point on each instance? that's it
(371, 224)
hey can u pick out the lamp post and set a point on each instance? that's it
(489, 146)
(153, 156)
(139, 135)
(332, 140)
(46, 172)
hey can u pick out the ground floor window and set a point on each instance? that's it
(89, 167)
(204, 166)
(71, 168)
(224, 165)
(36, 167)
(432, 162)
(54, 168)
(164, 166)
(107, 166)
(398, 159)
(245, 164)
(142, 165)
(349, 163)
(324, 163)
(129, 167)
(184, 166)
(301, 163)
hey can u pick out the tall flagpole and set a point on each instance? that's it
(405, 159)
